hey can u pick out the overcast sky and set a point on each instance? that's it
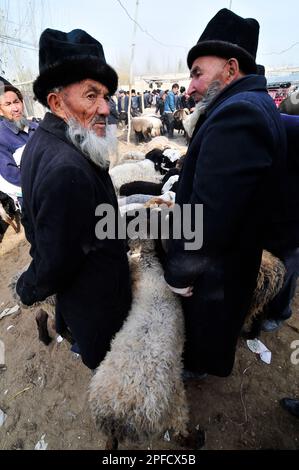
(176, 23)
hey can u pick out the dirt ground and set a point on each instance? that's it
(43, 391)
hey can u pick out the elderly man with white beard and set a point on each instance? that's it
(64, 178)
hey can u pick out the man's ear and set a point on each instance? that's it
(233, 70)
(55, 103)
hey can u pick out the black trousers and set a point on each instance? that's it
(169, 123)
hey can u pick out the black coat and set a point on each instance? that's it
(284, 233)
(61, 190)
(233, 168)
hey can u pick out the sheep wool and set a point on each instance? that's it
(137, 391)
(269, 282)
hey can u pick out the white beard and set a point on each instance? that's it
(190, 122)
(21, 123)
(98, 149)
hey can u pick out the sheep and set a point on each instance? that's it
(8, 213)
(143, 170)
(161, 143)
(154, 189)
(146, 127)
(269, 282)
(150, 169)
(178, 117)
(137, 391)
(131, 156)
(140, 187)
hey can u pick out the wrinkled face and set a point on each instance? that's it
(204, 71)
(11, 107)
(88, 103)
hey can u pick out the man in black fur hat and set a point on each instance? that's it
(233, 166)
(64, 178)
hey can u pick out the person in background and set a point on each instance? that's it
(182, 99)
(283, 242)
(135, 104)
(112, 125)
(169, 109)
(123, 106)
(15, 131)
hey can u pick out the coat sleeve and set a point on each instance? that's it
(9, 170)
(64, 225)
(235, 155)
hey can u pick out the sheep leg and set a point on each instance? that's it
(14, 226)
(138, 137)
(7, 218)
(42, 326)
(18, 222)
(255, 327)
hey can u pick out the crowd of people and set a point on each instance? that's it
(162, 102)
(235, 166)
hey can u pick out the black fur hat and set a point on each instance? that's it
(66, 58)
(229, 35)
(260, 70)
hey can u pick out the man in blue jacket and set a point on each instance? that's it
(284, 241)
(15, 130)
(169, 109)
(64, 179)
(234, 168)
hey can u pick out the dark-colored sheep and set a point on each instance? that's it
(145, 187)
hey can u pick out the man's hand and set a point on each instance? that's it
(184, 291)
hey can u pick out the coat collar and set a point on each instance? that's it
(247, 83)
(58, 127)
(55, 125)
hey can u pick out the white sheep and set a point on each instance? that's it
(137, 171)
(146, 127)
(137, 391)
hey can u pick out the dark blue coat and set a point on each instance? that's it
(233, 167)
(61, 190)
(126, 104)
(11, 138)
(285, 234)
